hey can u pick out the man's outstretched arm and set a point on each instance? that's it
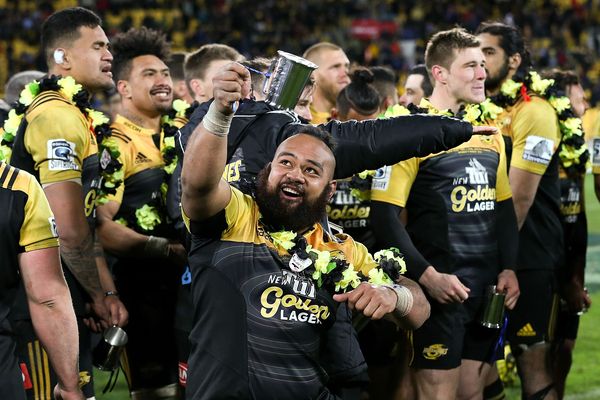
(204, 193)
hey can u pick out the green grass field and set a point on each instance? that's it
(584, 380)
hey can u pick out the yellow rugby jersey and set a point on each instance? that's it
(319, 117)
(26, 223)
(532, 127)
(450, 198)
(138, 149)
(532, 135)
(279, 318)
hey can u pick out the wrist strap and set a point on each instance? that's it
(404, 302)
(156, 247)
(216, 122)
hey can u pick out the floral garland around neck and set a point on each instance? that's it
(79, 97)
(148, 217)
(572, 150)
(334, 274)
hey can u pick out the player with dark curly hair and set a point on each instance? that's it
(133, 226)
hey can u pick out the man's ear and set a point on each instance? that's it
(334, 113)
(439, 73)
(197, 88)
(514, 61)
(124, 89)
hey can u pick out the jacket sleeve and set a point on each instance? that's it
(374, 143)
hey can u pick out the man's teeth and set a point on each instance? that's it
(291, 191)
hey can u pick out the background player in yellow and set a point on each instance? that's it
(531, 131)
(29, 252)
(55, 142)
(331, 77)
(462, 229)
(147, 258)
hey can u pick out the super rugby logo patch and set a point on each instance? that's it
(61, 155)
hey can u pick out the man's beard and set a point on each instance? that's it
(278, 215)
(492, 83)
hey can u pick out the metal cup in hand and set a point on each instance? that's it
(107, 353)
(494, 308)
(287, 77)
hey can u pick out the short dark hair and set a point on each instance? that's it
(441, 47)
(511, 41)
(197, 62)
(359, 94)
(421, 69)
(311, 130)
(175, 64)
(384, 81)
(134, 43)
(562, 79)
(64, 26)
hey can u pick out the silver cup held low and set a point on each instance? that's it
(493, 312)
(107, 353)
(287, 77)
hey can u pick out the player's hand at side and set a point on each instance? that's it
(61, 393)
(230, 85)
(508, 283)
(444, 288)
(374, 301)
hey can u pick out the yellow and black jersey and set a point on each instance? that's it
(532, 136)
(319, 117)
(26, 224)
(56, 143)
(143, 164)
(273, 318)
(450, 199)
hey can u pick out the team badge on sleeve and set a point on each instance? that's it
(53, 229)
(61, 155)
(538, 150)
(596, 152)
(381, 180)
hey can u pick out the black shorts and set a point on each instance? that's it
(11, 377)
(39, 377)
(150, 360)
(567, 325)
(453, 333)
(534, 317)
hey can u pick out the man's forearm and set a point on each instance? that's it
(81, 262)
(55, 324)
(420, 309)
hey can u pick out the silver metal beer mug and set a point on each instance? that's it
(493, 313)
(107, 353)
(286, 79)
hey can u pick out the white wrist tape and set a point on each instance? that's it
(216, 122)
(157, 247)
(405, 299)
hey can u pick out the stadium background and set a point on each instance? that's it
(560, 33)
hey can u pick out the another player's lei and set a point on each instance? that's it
(148, 217)
(72, 91)
(476, 114)
(331, 273)
(572, 151)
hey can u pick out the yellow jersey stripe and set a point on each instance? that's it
(33, 372)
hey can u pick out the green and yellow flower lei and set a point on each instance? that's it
(333, 273)
(572, 151)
